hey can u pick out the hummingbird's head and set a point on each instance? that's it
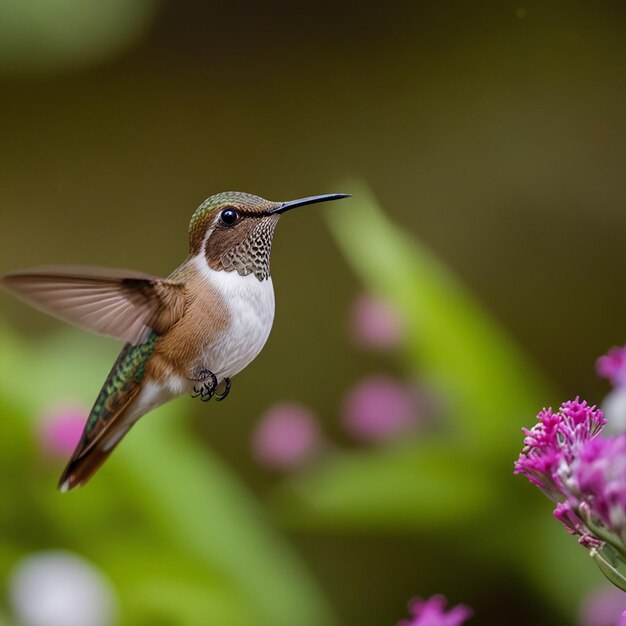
(234, 230)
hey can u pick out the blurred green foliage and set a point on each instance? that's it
(459, 480)
(495, 131)
(181, 538)
(42, 37)
(185, 542)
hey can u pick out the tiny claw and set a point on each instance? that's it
(220, 396)
(206, 391)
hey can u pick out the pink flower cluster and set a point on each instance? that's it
(600, 473)
(432, 612)
(376, 410)
(286, 436)
(612, 365)
(580, 471)
(376, 323)
(59, 429)
(379, 408)
(554, 442)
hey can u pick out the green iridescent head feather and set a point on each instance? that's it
(238, 200)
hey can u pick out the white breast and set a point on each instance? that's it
(251, 307)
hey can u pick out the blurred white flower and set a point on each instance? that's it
(58, 588)
(614, 409)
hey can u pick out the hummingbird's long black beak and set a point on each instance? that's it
(292, 204)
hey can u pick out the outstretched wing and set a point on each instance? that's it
(119, 303)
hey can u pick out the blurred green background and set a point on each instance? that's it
(484, 145)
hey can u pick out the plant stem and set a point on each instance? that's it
(611, 573)
(607, 537)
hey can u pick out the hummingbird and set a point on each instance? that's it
(188, 333)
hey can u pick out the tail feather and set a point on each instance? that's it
(81, 468)
(111, 417)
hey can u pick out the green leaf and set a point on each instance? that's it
(417, 486)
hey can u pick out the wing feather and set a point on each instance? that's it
(120, 303)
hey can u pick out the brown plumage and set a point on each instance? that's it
(173, 352)
(206, 315)
(213, 314)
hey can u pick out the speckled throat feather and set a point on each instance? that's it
(251, 255)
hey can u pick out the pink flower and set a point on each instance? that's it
(379, 408)
(612, 365)
(586, 476)
(432, 612)
(603, 607)
(287, 435)
(59, 430)
(600, 475)
(553, 459)
(554, 442)
(375, 323)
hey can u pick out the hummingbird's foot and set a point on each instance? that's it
(201, 374)
(220, 396)
(206, 391)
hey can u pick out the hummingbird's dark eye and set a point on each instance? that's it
(229, 216)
